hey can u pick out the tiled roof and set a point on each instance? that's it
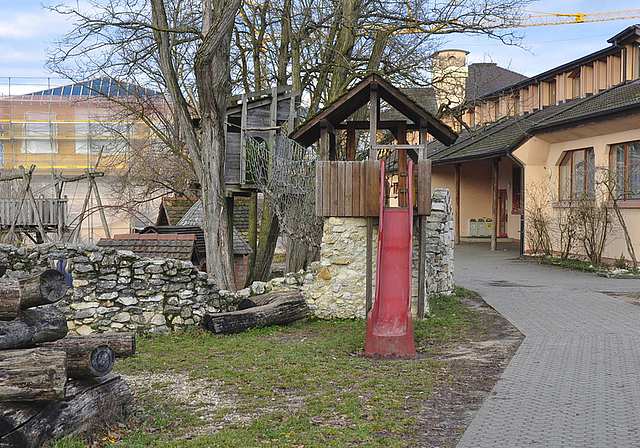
(98, 87)
(194, 217)
(172, 209)
(622, 97)
(241, 215)
(153, 245)
(181, 230)
(491, 139)
(506, 134)
(486, 77)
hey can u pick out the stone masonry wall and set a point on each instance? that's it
(338, 284)
(119, 291)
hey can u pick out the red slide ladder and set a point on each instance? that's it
(389, 323)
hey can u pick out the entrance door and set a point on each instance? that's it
(502, 213)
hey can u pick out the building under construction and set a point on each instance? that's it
(70, 134)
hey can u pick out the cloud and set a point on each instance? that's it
(32, 24)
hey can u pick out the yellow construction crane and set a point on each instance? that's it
(537, 18)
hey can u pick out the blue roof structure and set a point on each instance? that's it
(104, 86)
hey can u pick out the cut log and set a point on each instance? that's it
(88, 360)
(122, 344)
(35, 374)
(88, 403)
(274, 308)
(9, 299)
(42, 288)
(32, 327)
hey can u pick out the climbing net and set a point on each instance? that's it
(286, 175)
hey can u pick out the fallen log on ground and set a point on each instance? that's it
(32, 327)
(274, 308)
(122, 344)
(35, 374)
(87, 403)
(43, 288)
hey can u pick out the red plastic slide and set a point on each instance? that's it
(389, 324)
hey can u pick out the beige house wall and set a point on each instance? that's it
(543, 154)
(475, 191)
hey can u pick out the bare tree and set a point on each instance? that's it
(184, 49)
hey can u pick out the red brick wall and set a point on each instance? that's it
(241, 265)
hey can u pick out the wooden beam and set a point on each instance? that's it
(243, 141)
(456, 211)
(374, 101)
(494, 204)
(382, 124)
(403, 170)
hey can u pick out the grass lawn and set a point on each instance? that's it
(304, 385)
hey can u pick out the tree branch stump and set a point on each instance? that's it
(32, 327)
(274, 308)
(36, 374)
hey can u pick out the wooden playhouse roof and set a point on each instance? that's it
(346, 105)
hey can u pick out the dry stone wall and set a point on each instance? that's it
(116, 290)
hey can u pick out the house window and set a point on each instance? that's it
(625, 163)
(576, 87)
(110, 137)
(39, 133)
(516, 181)
(577, 175)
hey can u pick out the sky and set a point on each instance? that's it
(28, 30)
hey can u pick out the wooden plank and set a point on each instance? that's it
(374, 102)
(334, 190)
(373, 188)
(348, 188)
(424, 187)
(319, 189)
(340, 186)
(326, 189)
(363, 189)
(355, 199)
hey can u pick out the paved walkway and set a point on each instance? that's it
(575, 380)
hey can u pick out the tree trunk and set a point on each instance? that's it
(344, 47)
(267, 241)
(43, 288)
(297, 255)
(274, 308)
(122, 344)
(35, 374)
(32, 327)
(88, 402)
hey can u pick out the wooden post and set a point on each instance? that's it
(23, 194)
(351, 141)
(103, 218)
(374, 100)
(253, 229)
(422, 266)
(494, 204)
(243, 141)
(369, 286)
(456, 212)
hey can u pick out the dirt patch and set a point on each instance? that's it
(629, 297)
(467, 375)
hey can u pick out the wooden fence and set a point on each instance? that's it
(52, 212)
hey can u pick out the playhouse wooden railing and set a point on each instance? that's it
(353, 188)
(52, 212)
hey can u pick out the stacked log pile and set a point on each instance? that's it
(52, 385)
